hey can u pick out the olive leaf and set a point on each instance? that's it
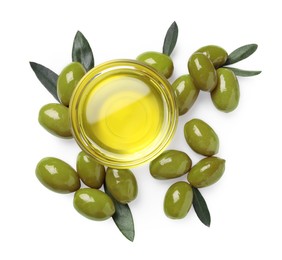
(201, 207)
(170, 39)
(123, 218)
(244, 73)
(81, 51)
(47, 77)
(241, 53)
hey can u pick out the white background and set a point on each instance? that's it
(245, 205)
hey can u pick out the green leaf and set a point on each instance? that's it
(241, 53)
(244, 73)
(47, 77)
(123, 218)
(170, 39)
(201, 207)
(81, 51)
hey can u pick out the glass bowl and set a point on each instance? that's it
(123, 113)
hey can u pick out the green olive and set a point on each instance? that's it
(178, 200)
(57, 175)
(121, 184)
(206, 172)
(202, 71)
(67, 81)
(55, 119)
(170, 164)
(93, 204)
(161, 62)
(185, 92)
(216, 54)
(226, 95)
(90, 171)
(201, 137)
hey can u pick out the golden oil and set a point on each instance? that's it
(123, 113)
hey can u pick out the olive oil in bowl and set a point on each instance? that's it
(123, 113)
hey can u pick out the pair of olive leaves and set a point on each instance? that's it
(82, 52)
(237, 55)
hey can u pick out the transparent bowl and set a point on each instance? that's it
(123, 113)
